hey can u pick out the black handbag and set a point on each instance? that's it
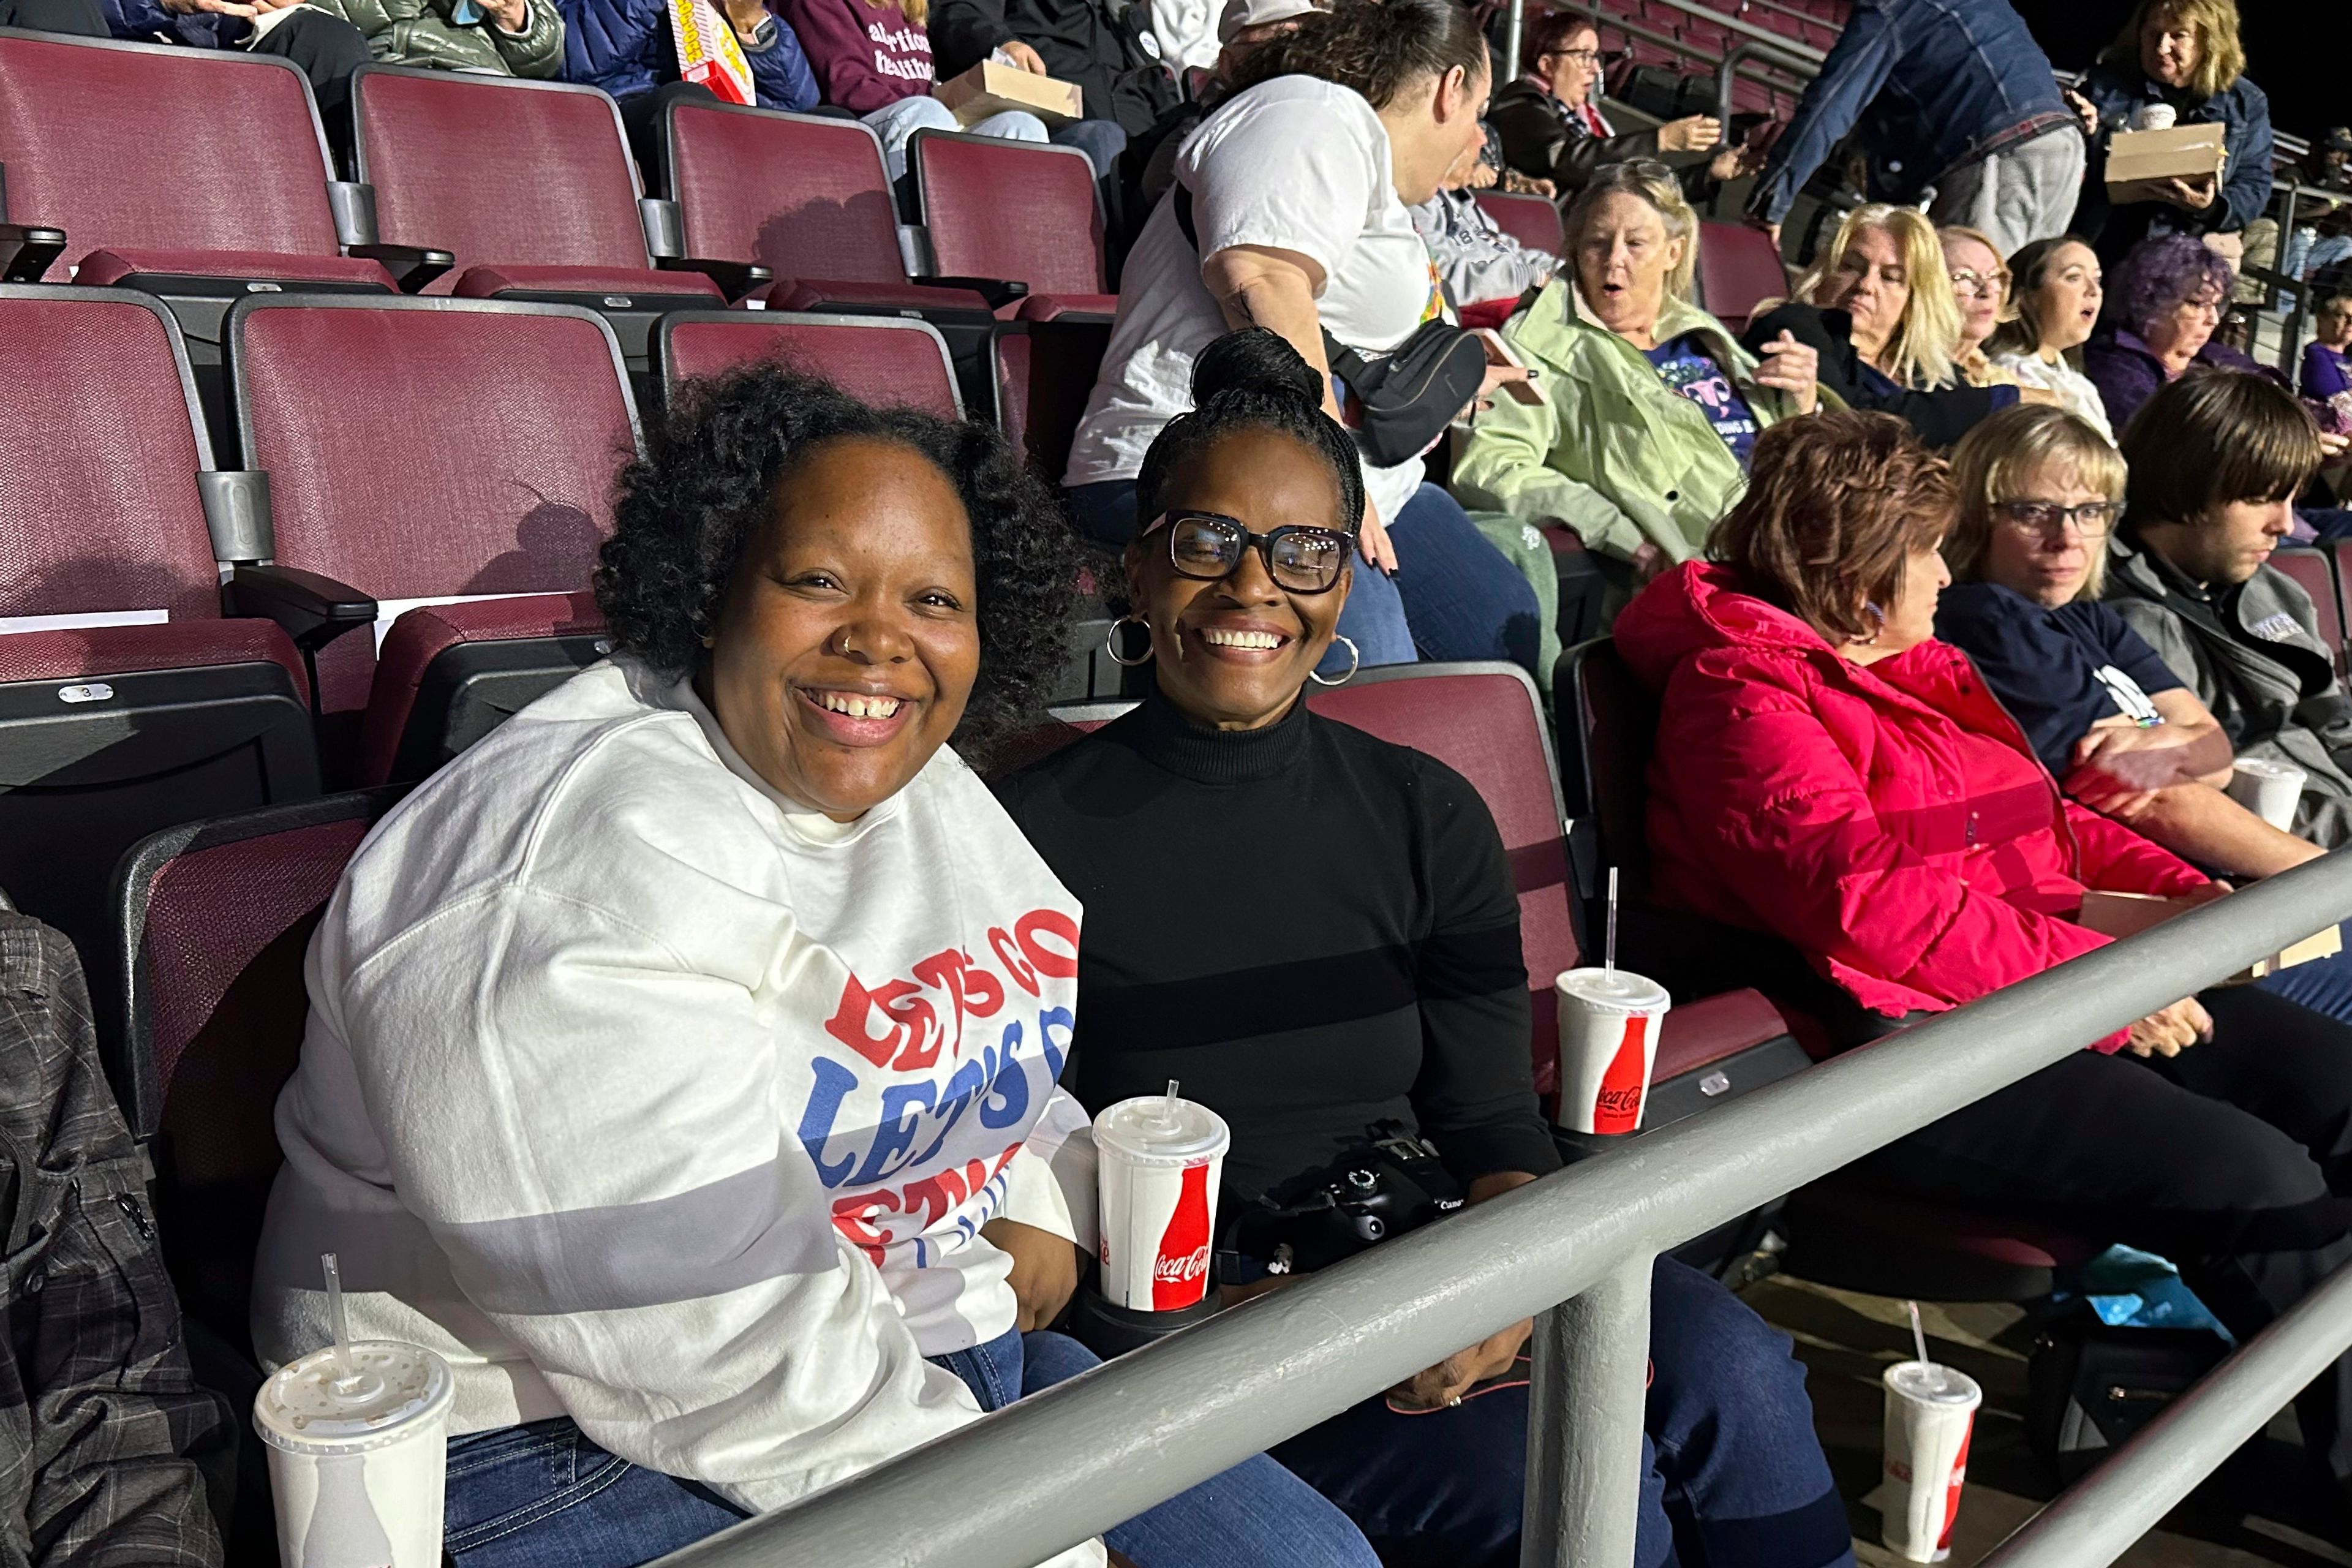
(2090, 1387)
(1400, 399)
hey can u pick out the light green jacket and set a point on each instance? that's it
(1614, 453)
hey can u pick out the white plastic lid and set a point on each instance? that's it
(1930, 1383)
(2264, 768)
(395, 1388)
(1155, 1128)
(1613, 990)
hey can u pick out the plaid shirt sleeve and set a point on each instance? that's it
(101, 1422)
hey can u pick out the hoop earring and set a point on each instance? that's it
(1111, 642)
(1355, 662)
(1877, 631)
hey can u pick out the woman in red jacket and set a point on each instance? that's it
(1828, 773)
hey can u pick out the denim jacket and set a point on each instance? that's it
(2242, 108)
(1932, 84)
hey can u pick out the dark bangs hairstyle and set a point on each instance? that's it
(1836, 505)
(2212, 437)
(1379, 47)
(710, 477)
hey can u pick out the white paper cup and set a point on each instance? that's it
(1156, 1197)
(1929, 1413)
(2268, 789)
(2154, 117)
(1609, 1022)
(358, 1473)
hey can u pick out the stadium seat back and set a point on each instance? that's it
(1533, 221)
(1045, 372)
(425, 448)
(1739, 268)
(2313, 571)
(880, 360)
(215, 918)
(803, 196)
(1617, 727)
(160, 149)
(497, 171)
(1010, 209)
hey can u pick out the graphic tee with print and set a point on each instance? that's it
(1687, 368)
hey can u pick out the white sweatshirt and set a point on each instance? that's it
(646, 1098)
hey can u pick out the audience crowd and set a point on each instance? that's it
(1948, 566)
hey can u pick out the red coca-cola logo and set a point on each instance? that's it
(1179, 1273)
(1618, 1107)
(1178, 1270)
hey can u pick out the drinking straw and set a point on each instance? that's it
(1918, 1335)
(346, 1371)
(1608, 950)
(1168, 1105)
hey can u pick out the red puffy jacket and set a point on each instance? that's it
(1861, 813)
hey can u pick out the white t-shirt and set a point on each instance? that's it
(1296, 163)
(2079, 393)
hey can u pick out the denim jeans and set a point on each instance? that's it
(1732, 1476)
(1373, 618)
(1463, 597)
(2323, 984)
(896, 124)
(542, 1496)
(1255, 1515)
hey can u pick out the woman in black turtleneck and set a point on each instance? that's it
(1318, 933)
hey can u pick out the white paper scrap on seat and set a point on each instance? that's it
(389, 610)
(85, 621)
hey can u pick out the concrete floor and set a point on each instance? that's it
(2259, 1510)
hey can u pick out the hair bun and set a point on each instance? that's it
(1255, 360)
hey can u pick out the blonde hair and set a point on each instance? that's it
(2221, 58)
(1655, 183)
(1919, 354)
(2007, 311)
(2002, 454)
(919, 11)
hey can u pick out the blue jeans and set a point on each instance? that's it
(2323, 984)
(1255, 1515)
(1373, 618)
(1463, 597)
(896, 124)
(1732, 1474)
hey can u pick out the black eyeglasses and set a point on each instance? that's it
(2091, 520)
(1206, 546)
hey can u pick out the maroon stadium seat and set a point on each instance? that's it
(879, 360)
(1014, 210)
(1738, 267)
(428, 449)
(1043, 373)
(2313, 571)
(551, 214)
(804, 196)
(116, 730)
(1533, 221)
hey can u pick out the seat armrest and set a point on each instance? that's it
(735, 279)
(314, 610)
(27, 250)
(998, 292)
(411, 266)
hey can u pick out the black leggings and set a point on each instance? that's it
(2233, 1160)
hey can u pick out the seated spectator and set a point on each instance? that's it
(2059, 289)
(874, 58)
(327, 48)
(1981, 289)
(2318, 250)
(1297, 192)
(2184, 54)
(2167, 299)
(1552, 129)
(1242, 27)
(2331, 159)
(1953, 94)
(1650, 409)
(2216, 460)
(1384, 990)
(1819, 756)
(1478, 263)
(496, 37)
(1878, 311)
(573, 987)
(2039, 490)
(626, 48)
(1099, 45)
(2327, 365)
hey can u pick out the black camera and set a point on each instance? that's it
(1394, 1184)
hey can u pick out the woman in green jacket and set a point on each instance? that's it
(1651, 407)
(498, 37)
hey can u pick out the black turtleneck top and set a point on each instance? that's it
(1312, 930)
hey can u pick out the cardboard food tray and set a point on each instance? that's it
(2128, 914)
(2140, 161)
(990, 88)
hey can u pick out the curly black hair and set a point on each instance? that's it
(1252, 379)
(710, 477)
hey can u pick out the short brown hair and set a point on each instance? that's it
(1552, 30)
(1836, 505)
(2214, 437)
(2005, 452)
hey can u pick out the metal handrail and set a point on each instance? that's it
(1744, 50)
(1804, 55)
(1575, 1248)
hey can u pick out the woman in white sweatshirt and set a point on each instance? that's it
(681, 1058)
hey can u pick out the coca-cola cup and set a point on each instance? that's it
(357, 1450)
(1156, 1186)
(1929, 1412)
(1609, 1022)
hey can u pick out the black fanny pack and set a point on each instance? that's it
(1399, 400)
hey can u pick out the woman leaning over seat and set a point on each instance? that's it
(681, 1058)
(1878, 309)
(1828, 773)
(1650, 408)
(2060, 287)
(1316, 932)
(1298, 189)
